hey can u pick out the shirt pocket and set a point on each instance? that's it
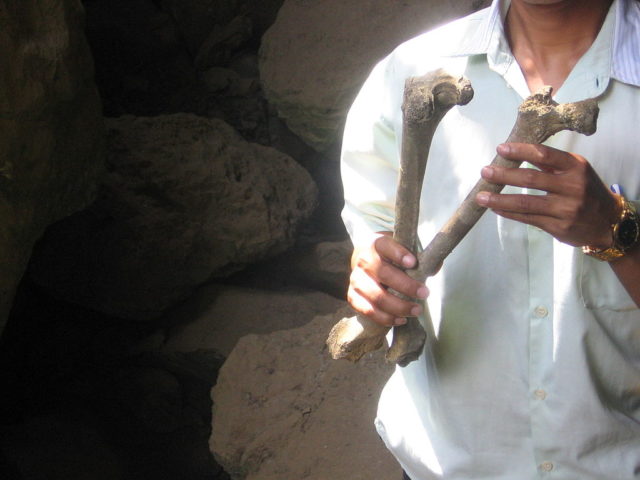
(600, 288)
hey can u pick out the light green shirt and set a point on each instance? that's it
(536, 371)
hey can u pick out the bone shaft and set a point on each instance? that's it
(414, 150)
(539, 117)
(417, 134)
(468, 213)
(418, 131)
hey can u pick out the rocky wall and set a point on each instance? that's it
(51, 129)
(316, 55)
(213, 236)
(185, 199)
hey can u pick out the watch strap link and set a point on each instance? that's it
(625, 233)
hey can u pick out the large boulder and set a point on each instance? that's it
(199, 19)
(317, 54)
(185, 199)
(320, 265)
(58, 446)
(52, 141)
(142, 64)
(217, 316)
(282, 408)
(169, 389)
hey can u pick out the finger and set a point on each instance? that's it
(541, 221)
(362, 306)
(394, 252)
(398, 280)
(546, 158)
(523, 177)
(519, 203)
(375, 291)
(377, 302)
(374, 265)
(552, 226)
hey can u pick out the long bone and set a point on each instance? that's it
(425, 102)
(539, 117)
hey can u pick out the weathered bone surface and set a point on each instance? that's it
(426, 100)
(539, 117)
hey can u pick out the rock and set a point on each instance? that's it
(229, 83)
(216, 317)
(59, 447)
(142, 64)
(169, 389)
(52, 141)
(153, 396)
(244, 87)
(217, 79)
(222, 42)
(245, 65)
(322, 266)
(316, 55)
(196, 18)
(283, 409)
(262, 14)
(185, 199)
(329, 265)
(246, 114)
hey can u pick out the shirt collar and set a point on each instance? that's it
(625, 65)
(489, 38)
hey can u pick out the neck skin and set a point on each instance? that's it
(548, 37)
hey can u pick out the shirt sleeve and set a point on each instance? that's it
(370, 158)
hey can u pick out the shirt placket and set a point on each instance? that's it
(540, 315)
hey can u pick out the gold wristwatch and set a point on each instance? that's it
(625, 233)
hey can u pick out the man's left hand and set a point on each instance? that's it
(577, 209)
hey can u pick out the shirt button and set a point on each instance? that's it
(541, 312)
(546, 466)
(540, 394)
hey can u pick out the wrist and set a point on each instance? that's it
(624, 233)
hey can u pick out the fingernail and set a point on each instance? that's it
(415, 311)
(422, 292)
(482, 198)
(503, 149)
(400, 321)
(408, 261)
(487, 172)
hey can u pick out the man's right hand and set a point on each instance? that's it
(377, 268)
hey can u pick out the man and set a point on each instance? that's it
(536, 368)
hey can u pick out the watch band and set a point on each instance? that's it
(625, 233)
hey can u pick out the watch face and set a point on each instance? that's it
(628, 232)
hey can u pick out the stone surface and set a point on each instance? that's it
(223, 42)
(317, 54)
(143, 66)
(262, 14)
(217, 316)
(328, 266)
(51, 146)
(72, 392)
(284, 409)
(185, 199)
(320, 265)
(196, 19)
(57, 447)
(217, 79)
